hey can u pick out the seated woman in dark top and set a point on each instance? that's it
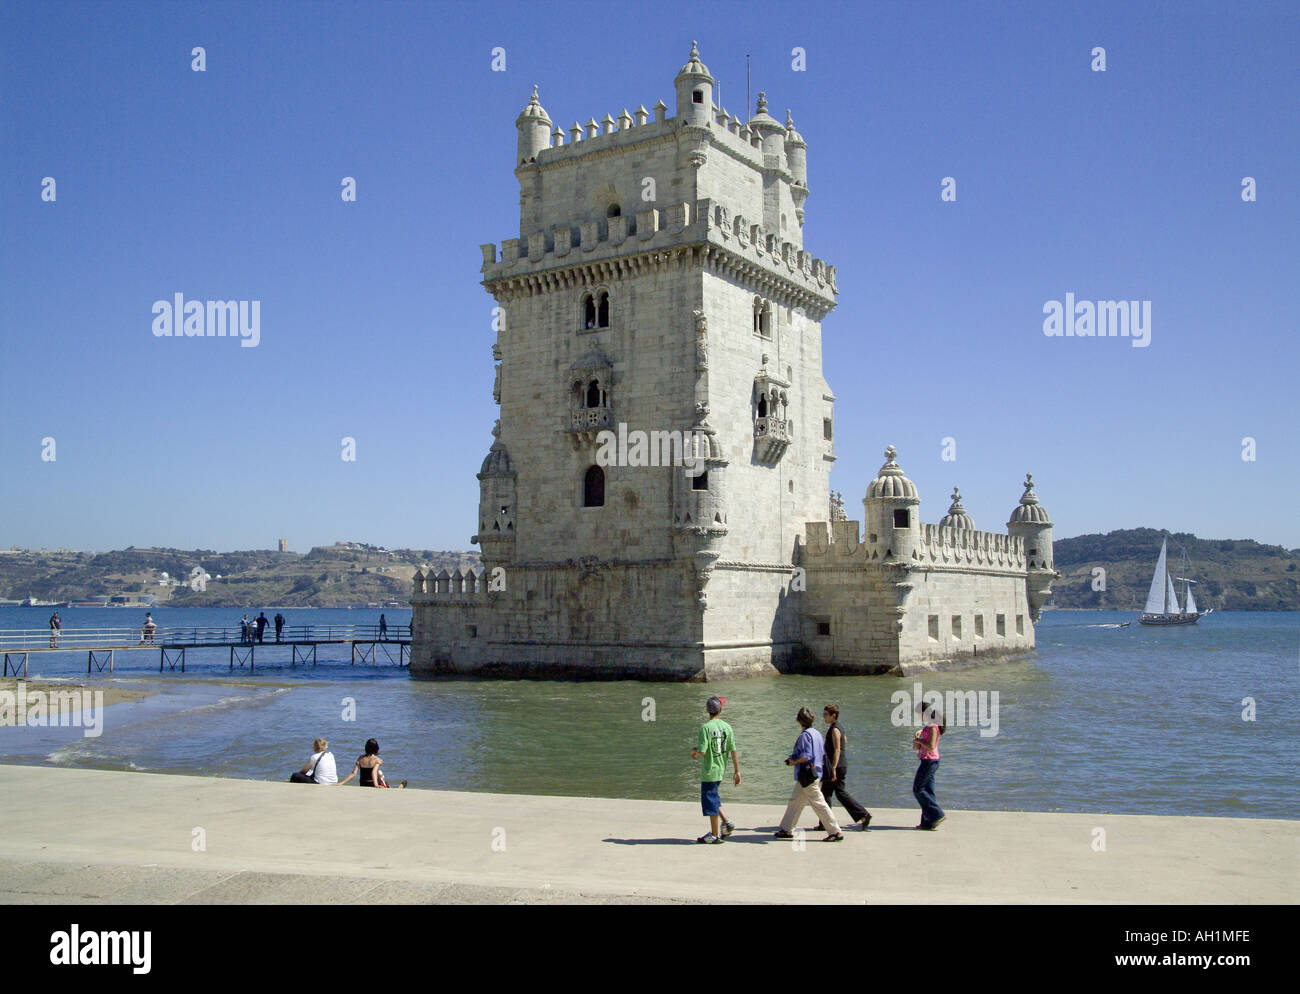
(368, 766)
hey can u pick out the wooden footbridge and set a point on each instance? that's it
(367, 642)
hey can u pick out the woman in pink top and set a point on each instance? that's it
(926, 744)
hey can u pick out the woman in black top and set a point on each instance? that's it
(368, 766)
(836, 768)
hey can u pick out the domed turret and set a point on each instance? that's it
(768, 128)
(891, 511)
(496, 507)
(694, 91)
(1030, 522)
(534, 131)
(957, 517)
(796, 153)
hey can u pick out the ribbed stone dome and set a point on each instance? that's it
(890, 483)
(694, 67)
(534, 110)
(1030, 512)
(957, 516)
(498, 461)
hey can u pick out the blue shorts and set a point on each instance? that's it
(709, 799)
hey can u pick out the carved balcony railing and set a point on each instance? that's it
(771, 438)
(586, 423)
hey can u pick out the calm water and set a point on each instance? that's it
(1129, 720)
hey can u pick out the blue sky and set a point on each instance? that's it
(225, 184)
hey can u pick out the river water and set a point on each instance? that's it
(1102, 718)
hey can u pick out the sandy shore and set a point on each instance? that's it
(53, 694)
(87, 836)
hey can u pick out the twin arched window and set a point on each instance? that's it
(595, 310)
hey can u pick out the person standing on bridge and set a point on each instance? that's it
(262, 622)
(383, 628)
(56, 628)
(279, 625)
(147, 630)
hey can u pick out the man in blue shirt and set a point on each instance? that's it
(808, 758)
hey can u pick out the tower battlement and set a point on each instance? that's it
(840, 543)
(727, 238)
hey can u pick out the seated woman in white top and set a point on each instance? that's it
(320, 766)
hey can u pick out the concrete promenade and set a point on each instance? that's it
(82, 836)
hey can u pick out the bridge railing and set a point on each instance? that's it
(21, 639)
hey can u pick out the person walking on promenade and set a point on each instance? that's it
(279, 625)
(319, 767)
(926, 744)
(56, 629)
(836, 769)
(807, 758)
(716, 743)
(383, 628)
(368, 766)
(262, 622)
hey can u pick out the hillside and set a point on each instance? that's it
(345, 573)
(1232, 574)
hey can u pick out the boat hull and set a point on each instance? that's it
(1164, 620)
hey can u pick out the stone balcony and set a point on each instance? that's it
(771, 438)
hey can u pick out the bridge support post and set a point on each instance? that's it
(92, 661)
(15, 656)
(171, 660)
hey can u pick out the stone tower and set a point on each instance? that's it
(658, 305)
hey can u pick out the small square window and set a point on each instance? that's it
(472, 631)
(979, 626)
(902, 518)
(823, 628)
(1020, 624)
(700, 482)
(956, 626)
(934, 628)
(826, 429)
(1001, 624)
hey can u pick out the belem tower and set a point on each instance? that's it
(660, 288)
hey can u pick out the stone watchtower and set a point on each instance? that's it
(665, 428)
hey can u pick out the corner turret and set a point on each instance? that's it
(534, 131)
(891, 511)
(1030, 522)
(796, 160)
(768, 129)
(496, 508)
(694, 91)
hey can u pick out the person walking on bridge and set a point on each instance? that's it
(279, 625)
(56, 629)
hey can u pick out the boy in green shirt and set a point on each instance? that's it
(716, 742)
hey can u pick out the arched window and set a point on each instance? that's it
(588, 311)
(593, 394)
(762, 406)
(697, 97)
(758, 315)
(602, 311)
(593, 487)
(614, 211)
(765, 320)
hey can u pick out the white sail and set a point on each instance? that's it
(1171, 598)
(1191, 601)
(1156, 598)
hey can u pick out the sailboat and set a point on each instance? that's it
(1162, 602)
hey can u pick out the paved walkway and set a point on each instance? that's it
(84, 836)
